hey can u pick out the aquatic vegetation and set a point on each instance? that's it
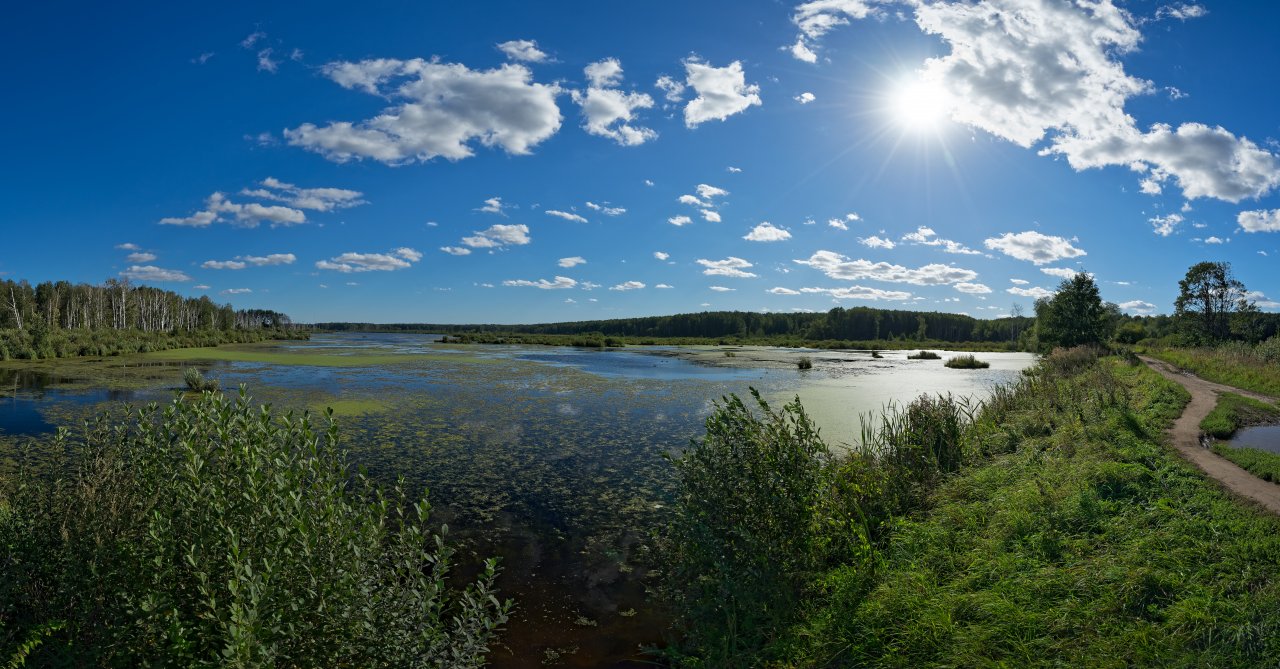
(214, 532)
(876, 354)
(197, 383)
(966, 362)
(805, 362)
(1233, 412)
(924, 355)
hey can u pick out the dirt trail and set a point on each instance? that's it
(1185, 434)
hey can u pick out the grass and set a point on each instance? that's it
(1261, 464)
(353, 407)
(1234, 412)
(805, 362)
(924, 355)
(1227, 366)
(967, 362)
(197, 383)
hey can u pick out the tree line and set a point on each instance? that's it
(857, 323)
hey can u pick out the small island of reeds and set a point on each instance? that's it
(966, 362)
(925, 355)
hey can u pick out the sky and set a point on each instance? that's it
(534, 162)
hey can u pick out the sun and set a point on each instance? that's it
(917, 104)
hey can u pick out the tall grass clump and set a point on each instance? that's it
(967, 361)
(805, 362)
(214, 533)
(197, 383)
(924, 355)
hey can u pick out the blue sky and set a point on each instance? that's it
(519, 162)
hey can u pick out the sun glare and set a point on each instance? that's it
(918, 105)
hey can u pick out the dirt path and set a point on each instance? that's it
(1185, 434)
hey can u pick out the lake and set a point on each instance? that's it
(550, 457)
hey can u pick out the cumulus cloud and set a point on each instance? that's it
(722, 289)
(1033, 247)
(1215, 240)
(660, 255)
(140, 257)
(679, 220)
(817, 18)
(401, 258)
(605, 209)
(439, 110)
(779, 290)
(1165, 225)
(242, 262)
(664, 286)
(972, 288)
(672, 89)
(1019, 282)
(560, 283)
(1181, 11)
(1263, 220)
(860, 293)
(522, 49)
(493, 205)
(456, 250)
(153, 273)
(219, 208)
(1061, 272)
(927, 237)
(767, 232)
(128, 246)
(1034, 292)
(876, 242)
(317, 199)
(236, 291)
(711, 215)
(608, 111)
(1138, 306)
(628, 285)
(496, 236)
(839, 225)
(1261, 300)
(805, 98)
(223, 264)
(838, 266)
(566, 216)
(571, 261)
(722, 92)
(731, 266)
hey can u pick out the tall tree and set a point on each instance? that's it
(1212, 302)
(1074, 316)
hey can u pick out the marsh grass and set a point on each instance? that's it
(966, 362)
(924, 355)
(197, 383)
(215, 533)
(1233, 412)
(805, 362)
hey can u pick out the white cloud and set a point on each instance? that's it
(493, 205)
(153, 273)
(566, 216)
(711, 215)
(456, 250)
(265, 63)
(628, 285)
(608, 111)
(805, 98)
(973, 288)
(1215, 240)
(236, 291)
(252, 39)
(817, 18)
(708, 192)
(663, 286)
(1033, 247)
(672, 89)
(442, 108)
(218, 208)
(560, 283)
(1261, 300)
(1060, 272)
(1181, 11)
(1165, 225)
(660, 255)
(1019, 282)
(722, 289)
(522, 49)
(860, 293)
(1034, 292)
(1138, 306)
(692, 200)
(128, 246)
(140, 256)
(605, 209)
(733, 170)
(347, 263)
(731, 266)
(766, 232)
(317, 199)
(779, 290)
(926, 236)
(571, 261)
(722, 92)
(838, 266)
(271, 259)
(839, 225)
(204, 287)
(223, 264)
(876, 242)
(498, 235)
(679, 220)
(1263, 220)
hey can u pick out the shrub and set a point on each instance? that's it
(1069, 361)
(196, 382)
(966, 362)
(805, 362)
(213, 533)
(924, 355)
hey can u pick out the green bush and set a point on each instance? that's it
(212, 533)
(197, 383)
(966, 362)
